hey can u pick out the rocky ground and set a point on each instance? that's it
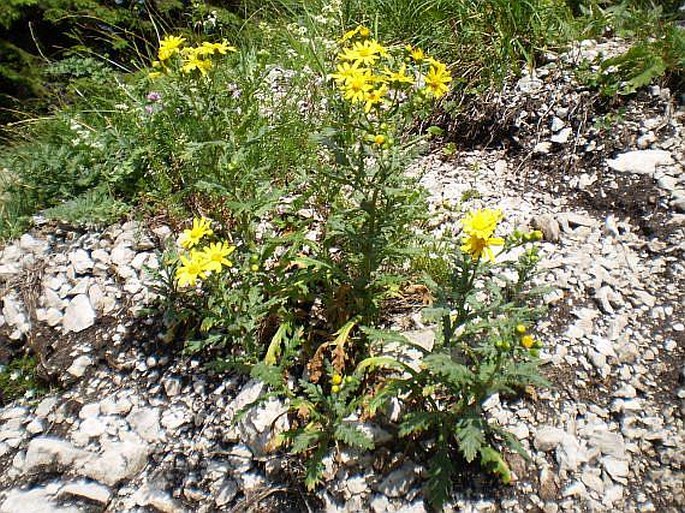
(133, 426)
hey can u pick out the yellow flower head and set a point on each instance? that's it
(200, 228)
(169, 46)
(360, 31)
(215, 256)
(191, 269)
(364, 52)
(527, 341)
(482, 223)
(357, 86)
(437, 79)
(379, 139)
(400, 76)
(521, 329)
(346, 70)
(416, 53)
(223, 48)
(479, 247)
(207, 48)
(196, 63)
(374, 97)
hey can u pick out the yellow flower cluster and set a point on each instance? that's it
(479, 226)
(199, 263)
(192, 57)
(366, 71)
(528, 341)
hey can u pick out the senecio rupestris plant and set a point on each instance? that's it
(482, 305)
(303, 307)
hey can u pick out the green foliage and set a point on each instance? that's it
(18, 378)
(95, 207)
(481, 349)
(656, 52)
(485, 39)
(324, 419)
(305, 189)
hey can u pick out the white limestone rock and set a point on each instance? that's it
(640, 161)
(79, 366)
(95, 492)
(145, 422)
(79, 315)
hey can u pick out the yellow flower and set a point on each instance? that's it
(357, 86)
(205, 49)
(196, 63)
(374, 97)
(208, 48)
(223, 47)
(379, 139)
(215, 256)
(346, 70)
(169, 46)
(361, 31)
(191, 269)
(378, 48)
(201, 227)
(520, 329)
(477, 246)
(482, 223)
(336, 379)
(527, 341)
(400, 76)
(437, 79)
(416, 53)
(363, 52)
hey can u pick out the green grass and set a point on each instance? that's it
(485, 40)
